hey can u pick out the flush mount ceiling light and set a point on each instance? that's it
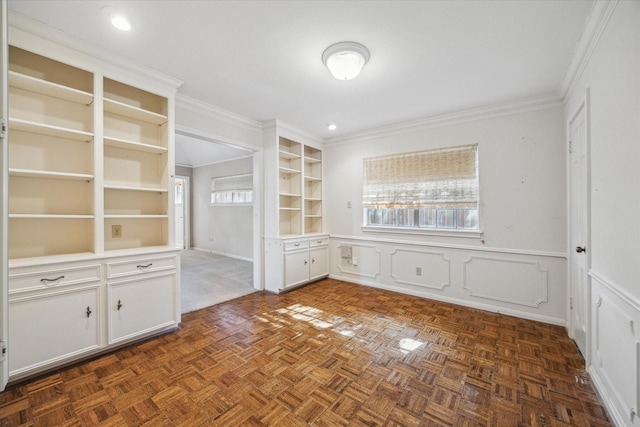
(345, 59)
(117, 18)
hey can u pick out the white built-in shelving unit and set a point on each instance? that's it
(90, 206)
(296, 248)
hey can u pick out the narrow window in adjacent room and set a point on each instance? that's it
(434, 189)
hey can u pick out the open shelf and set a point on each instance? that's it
(32, 84)
(133, 188)
(26, 173)
(288, 155)
(50, 130)
(51, 216)
(289, 170)
(122, 109)
(133, 145)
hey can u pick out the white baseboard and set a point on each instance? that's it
(222, 254)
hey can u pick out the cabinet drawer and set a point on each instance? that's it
(296, 245)
(319, 241)
(131, 267)
(25, 280)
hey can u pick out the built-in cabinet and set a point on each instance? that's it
(296, 248)
(91, 259)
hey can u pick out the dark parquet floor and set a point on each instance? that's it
(329, 354)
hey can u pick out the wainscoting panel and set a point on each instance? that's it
(527, 284)
(422, 268)
(507, 280)
(616, 349)
(364, 261)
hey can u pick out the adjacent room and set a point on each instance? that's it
(214, 226)
(266, 213)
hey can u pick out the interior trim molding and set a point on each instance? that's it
(371, 275)
(597, 21)
(616, 290)
(470, 115)
(290, 132)
(453, 246)
(444, 259)
(201, 107)
(544, 281)
(452, 300)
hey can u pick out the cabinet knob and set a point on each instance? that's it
(89, 311)
(305, 262)
(313, 260)
(119, 305)
(296, 244)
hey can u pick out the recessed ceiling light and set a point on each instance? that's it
(117, 18)
(332, 126)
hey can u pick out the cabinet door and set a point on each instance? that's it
(296, 268)
(319, 262)
(139, 306)
(52, 327)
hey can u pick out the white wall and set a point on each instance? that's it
(520, 265)
(226, 230)
(612, 76)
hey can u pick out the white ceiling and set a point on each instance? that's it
(262, 59)
(194, 152)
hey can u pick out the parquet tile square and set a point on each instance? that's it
(329, 354)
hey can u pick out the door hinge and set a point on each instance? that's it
(570, 146)
(3, 128)
(570, 303)
(3, 350)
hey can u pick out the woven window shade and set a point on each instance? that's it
(443, 178)
(236, 182)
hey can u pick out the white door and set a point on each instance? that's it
(4, 312)
(578, 187)
(180, 204)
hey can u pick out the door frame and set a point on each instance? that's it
(583, 105)
(186, 210)
(258, 206)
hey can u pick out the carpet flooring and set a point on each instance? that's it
(208, 279)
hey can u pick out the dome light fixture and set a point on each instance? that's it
(345, 59)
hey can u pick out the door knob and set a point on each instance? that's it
(581, 249)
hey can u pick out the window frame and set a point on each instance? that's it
(230, 191)
(416, 229)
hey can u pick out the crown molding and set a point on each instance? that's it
(483, 113)
(597, 21)
(34, 35)
(217, 113)
(286, 130)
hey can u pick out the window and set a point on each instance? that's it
(435, 189)
(232, 190)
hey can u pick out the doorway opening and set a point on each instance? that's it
(216, 220)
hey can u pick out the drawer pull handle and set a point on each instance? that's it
(119, 305)
(52, 280)
(145, 266)
(318, 241)
(88, 311)
(296, 244)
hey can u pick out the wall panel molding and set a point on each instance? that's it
(527, 286)
(615, 367)
(371, 269)
(436, 268)
(488, 281)
(453, 246)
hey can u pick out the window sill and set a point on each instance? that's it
(213, 205)
(471, 234)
